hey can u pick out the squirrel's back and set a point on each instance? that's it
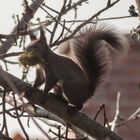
(90, 50)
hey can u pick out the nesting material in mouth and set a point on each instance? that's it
(30, 58)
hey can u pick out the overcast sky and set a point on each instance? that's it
(10, 7)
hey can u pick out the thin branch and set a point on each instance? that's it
(99, 19)
(50, 8)
(71, 7)
(61, 34)
(18, 118)
(46, 23)
(9, 82)
(26, 17)
(49, 22)
(57, 21)
(133, 117)
(36, 111)
(3, 137)
(2, 56)
(80, 20)
(116, 117)
(91, 127)
(86, 22)
(67, 130)
(20, 33)
(4, 116)
(135, 114)
(38, 126)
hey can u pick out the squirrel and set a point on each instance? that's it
(79, 66)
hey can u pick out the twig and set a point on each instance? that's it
(57, 21)
(49, 22)
(50, 8)
(105, 117)
(59, 132)
(61, 34)
(28, 15)
(4, 116)
(62, 137)
(18, 118)
(38, 112)
(116, 117)
(99, 19)
(80, 20)
(42, 130)
(12, 109)
(84, 23)
(15, 90)
(97, 112)
(134, 116)
(10, 62)
(67, 131)
(9, 82)
(105, 122)
(3, 137)
(91, 127)
(24, 74)
(78, 3)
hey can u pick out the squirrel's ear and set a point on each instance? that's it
(42, 35)
(32, 36)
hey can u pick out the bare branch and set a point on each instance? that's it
(50, 8)
(36, 111)
(91, 127)
(133, 117)
(3, 137)
(78, 3)
(85, 23)
(18, 118)
(4, 116)
(2, 56)
(116, 117)
(58, 20)
(23, 22)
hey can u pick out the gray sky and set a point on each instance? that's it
(10, 7)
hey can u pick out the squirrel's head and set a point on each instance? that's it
(39, 45)
(35, 51)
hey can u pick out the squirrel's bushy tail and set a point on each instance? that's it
(91, 49)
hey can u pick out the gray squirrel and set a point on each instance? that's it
(80, 65)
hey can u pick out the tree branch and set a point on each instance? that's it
(51, 104)
(116, 117)
(23, 22)
(85, 23)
